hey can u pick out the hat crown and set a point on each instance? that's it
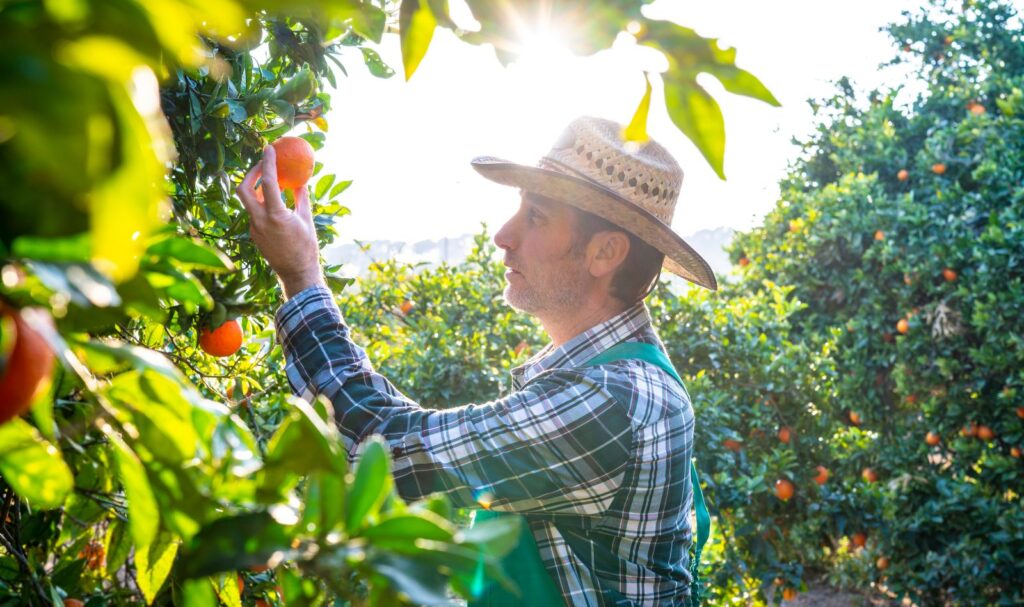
(643, 173)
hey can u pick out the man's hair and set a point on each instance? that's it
(634, 279)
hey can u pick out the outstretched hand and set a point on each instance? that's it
(286, 238)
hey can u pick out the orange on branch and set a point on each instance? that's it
(902, 326)
(785, 434)
(939, 168)
(869, 475)
(406, 306)
(903, 175)
(294, 162)
(27, 368)
(744, 262)
(732, 445)
(822, 475)
(225, 340)
(949, 274)
(854, 418)
(985, 433)
(932, 439)
(788, 594)
(784, 489)
(1020, 412)
(1015, 452)
(882, 563)
(859, 539)
(73, 603)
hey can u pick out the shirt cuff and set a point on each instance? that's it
(294, 314)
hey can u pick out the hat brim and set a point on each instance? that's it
(680, 258)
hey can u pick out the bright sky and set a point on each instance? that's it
(407, 146)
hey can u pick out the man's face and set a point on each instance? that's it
(547, 275)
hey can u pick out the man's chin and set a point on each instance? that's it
(516, 301)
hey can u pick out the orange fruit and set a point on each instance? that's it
(882, 563)
(859, 539)
(911, 399)
(783, 489)
(225, 340)
(976, 108)
(903, 175)
(822, 477)
(985, 433)
(29, 364)
(294, 162)
(902, 325)
(932, 439)
(73, 603)
(947, 40)
(241, 585)
(969, 431)
(406, 306)
(788, 594)
(744, 262)
(1015, 452)
(854, 418)
(732, 445)
(1020, 412)
(949, 274)
(785, 434)
(939, 168)
(869, 475)
(879, 235)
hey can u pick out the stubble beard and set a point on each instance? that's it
(561, 292)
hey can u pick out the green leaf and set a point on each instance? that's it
(418, 581)
(191, 253)
(235, 542)
(376, 65)
(637, 129)
(406, 528)
(32, 466)
(691, 108)
(67, 249)
(117, 545)
(416, 25)
(199, 593)
(371, 486)
(180, 285)
(322, 186)
(80, 282)
(226, 587)
(152, 565)
(698, 116)
(143, 515)
(340, 187)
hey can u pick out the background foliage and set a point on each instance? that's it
(124, 127)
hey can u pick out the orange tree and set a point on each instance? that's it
(901, 230)
(161, 460)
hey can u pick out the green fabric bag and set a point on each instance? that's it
(523, 564)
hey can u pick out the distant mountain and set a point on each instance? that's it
(357, 257)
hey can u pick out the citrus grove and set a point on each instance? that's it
(150, 451)
(858, 379)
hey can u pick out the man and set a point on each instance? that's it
(596, 457)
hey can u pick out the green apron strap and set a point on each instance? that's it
(653, 354)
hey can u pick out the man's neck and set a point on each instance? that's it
(571, 323)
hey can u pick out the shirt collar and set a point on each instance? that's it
(584, 346)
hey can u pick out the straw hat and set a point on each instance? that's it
(634, 186)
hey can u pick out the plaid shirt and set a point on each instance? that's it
(597, 458)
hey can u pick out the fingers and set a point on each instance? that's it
(246, 191)
(271, 190)
(302, 205)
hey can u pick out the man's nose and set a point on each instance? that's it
(505, 237)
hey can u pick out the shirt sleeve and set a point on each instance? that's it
(559, 446)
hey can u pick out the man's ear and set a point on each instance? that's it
(608, 250)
